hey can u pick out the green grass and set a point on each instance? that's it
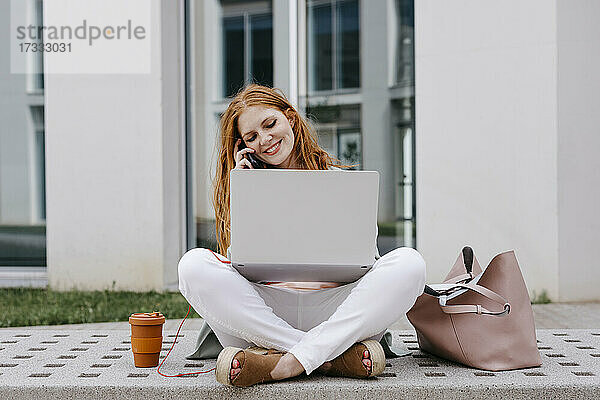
(541, 298)
(28, 307)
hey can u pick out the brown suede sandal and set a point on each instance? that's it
(255, 367)
(349, 364)
(263, 351)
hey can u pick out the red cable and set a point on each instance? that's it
(224, 262)
(177, 334)
(169, 352)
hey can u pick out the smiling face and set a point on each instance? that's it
(268, 132)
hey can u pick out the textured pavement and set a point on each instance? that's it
(99, 364)
(95, 361)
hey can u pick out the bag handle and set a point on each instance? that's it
(468, 259)
(468, 308)
(464, 278)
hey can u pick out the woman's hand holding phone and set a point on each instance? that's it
(242, 162)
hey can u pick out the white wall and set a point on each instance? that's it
(578, 147)
(377, 133)
(486, 134)
(114, 152)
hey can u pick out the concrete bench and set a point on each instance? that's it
(98, 364)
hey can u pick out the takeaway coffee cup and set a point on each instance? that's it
(146, 338)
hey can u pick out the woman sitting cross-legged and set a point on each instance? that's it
(277, 330)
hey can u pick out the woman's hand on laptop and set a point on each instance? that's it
(242, 162)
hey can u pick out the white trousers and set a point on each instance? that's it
(315, 326)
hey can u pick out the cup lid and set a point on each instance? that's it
(153, 318)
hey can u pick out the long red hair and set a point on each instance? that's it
(306, 150)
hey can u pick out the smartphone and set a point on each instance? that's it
(256, 163)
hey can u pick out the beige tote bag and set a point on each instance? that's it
(481, 319)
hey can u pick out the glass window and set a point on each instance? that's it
(405, 58)
(339, 132)
(349, 150)
(334, 45)
(247, 50)
(39, 164)
(40, 139)
(261, 28)
(332, 98)
(333, 63)
(348, 45)
(233, 32)
(405, 191)
(321, 47)
(22, 159)
(36, 77)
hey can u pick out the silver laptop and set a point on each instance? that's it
(299, 225)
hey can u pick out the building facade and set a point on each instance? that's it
(479, 118)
